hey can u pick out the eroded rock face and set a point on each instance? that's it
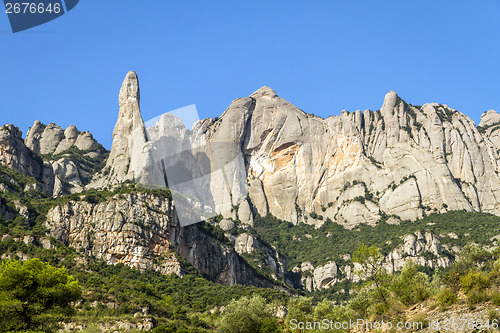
(136, 228)
(129, 134)
(61, 175)
(423, 249)
(15, 155)
(125, 230)
(489, 118)
(52, 140)
(325, 276)
(246, 243)
(402, 160)
(44, 139)
(245, 214)
(419, 248)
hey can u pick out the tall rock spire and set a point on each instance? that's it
(129, 135)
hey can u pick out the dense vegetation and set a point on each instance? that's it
(304, 242)
(193, 303)
(175, 304)
(383, 296)
(35, 295)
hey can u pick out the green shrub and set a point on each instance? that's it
(250, 315)
(411, 286)
(474, 281)
(446, 297)
(35, 295)
(493, 316)
(476, 296)
(360, 199)
(300, 309)
(495, 298)
(421, 321)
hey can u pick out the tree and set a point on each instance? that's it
(300, 309)
(337, 314)
(248, 315)
(323, 310)
(370, 260)
(411, 286)
(35, 295)
(471, 257)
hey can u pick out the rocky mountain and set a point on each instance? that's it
(261, 157)
(72, 156)
(403, 160)
(140, 230)
(64, 161)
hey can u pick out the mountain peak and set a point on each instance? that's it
(129, 91)
(489, 117)
(264, 91)
(390, 101)
(390, 96)
(129, 129)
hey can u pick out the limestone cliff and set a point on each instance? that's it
(141, 230)
(401, 160)
(15, 155)
(262, 156)
(129, 135)
(64, 160)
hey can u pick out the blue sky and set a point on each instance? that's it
(323, 56)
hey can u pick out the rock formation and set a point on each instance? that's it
(15, 155)
(423, 249)
(402, 160)
(262, 156)
(245, 244)
(64, 173)
(129, 135)
(134, 229)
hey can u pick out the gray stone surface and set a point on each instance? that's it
(226, 224)
(109, 230)
(15, 155)
(129, 134)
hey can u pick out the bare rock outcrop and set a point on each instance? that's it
(53, 140)
(136, 228)
(246, 243)
(325, 276)
(489, 118)
(129, 135)
(64, 172)
(401, 160)
(44, 139)
(15, 155)
(423, 249)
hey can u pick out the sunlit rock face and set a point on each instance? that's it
(15, 155)
(142, 231)
(261, 156)
(264, 155)
(401, 160)
(57, 148)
